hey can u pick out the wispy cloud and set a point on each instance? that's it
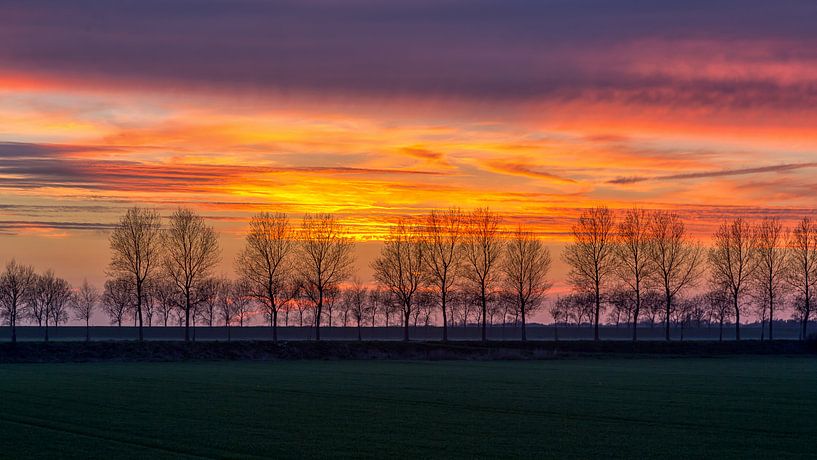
(719, 173)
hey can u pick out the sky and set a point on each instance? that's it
(377, 110)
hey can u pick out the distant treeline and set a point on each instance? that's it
(447, 268)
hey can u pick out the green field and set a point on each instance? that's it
(670, 407)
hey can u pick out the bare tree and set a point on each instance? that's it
(117, 299)
(51, 296)
(135, 250)
(84, 303)
(802, 270)
(591, 255)
(400, 268)
(16, 286)
(482, 249)
(772, 263)
(719, 306)
(442, 237)
(635, 267)
(225, 302)
(167, 299)
(191, 252)
(324, 259)
(376, 303)
(242, 301)
(265, 262)
(677, 260)
(733, 262)
(525, 271)
(355, 297)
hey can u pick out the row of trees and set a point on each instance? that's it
(42, 298)
(460, 265)
(622, 261)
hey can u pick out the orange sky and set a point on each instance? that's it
(102, 108)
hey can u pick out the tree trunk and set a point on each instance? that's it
(406, 319)
(737, 318)
(445, 318)
(14, 325)
(87, 330)
(668, 300)
(598, 308)
(720, 333)
(139, 306)
(484, 311)
(318, 316)
(524, 324)
(275, 325)
(187, 316)
(635, 314)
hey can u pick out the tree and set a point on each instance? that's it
(167, 298)
(191, 251)
(400, 268)
(732, 261)
(717, 301)
(442, 238)
(135, 250)
(265, 262)
(16, 285)
(772, 263)
(676, 259)
(117, 299)
(635, 267)
(559, 312)
(525, 271)
(482, 249)
(355, 298)
(802, 270)
(51, 296)
(224, 299)
(242, 301)
(84, 302)
(324, 259)
(591, 255)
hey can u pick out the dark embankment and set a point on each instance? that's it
(258, 351)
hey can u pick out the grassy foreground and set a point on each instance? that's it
(735, 407)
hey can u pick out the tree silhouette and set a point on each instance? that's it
(482, 249)
(84, 302)
(324, 259)
(677, 260)
(400, 268)
(591, 255)
(135, 251)
(635, 268)
(442, 238)
(16, 289)
(772, 263)
(733, 261)
(525, 269)
(265, 262)
(191, 251)
(802, 271)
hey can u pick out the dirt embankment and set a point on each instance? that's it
(261, 351)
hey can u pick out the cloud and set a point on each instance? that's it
(32, 166)
(474, 50)
(720, 173)
(526, 170)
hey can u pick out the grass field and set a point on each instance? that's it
(672, 407)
